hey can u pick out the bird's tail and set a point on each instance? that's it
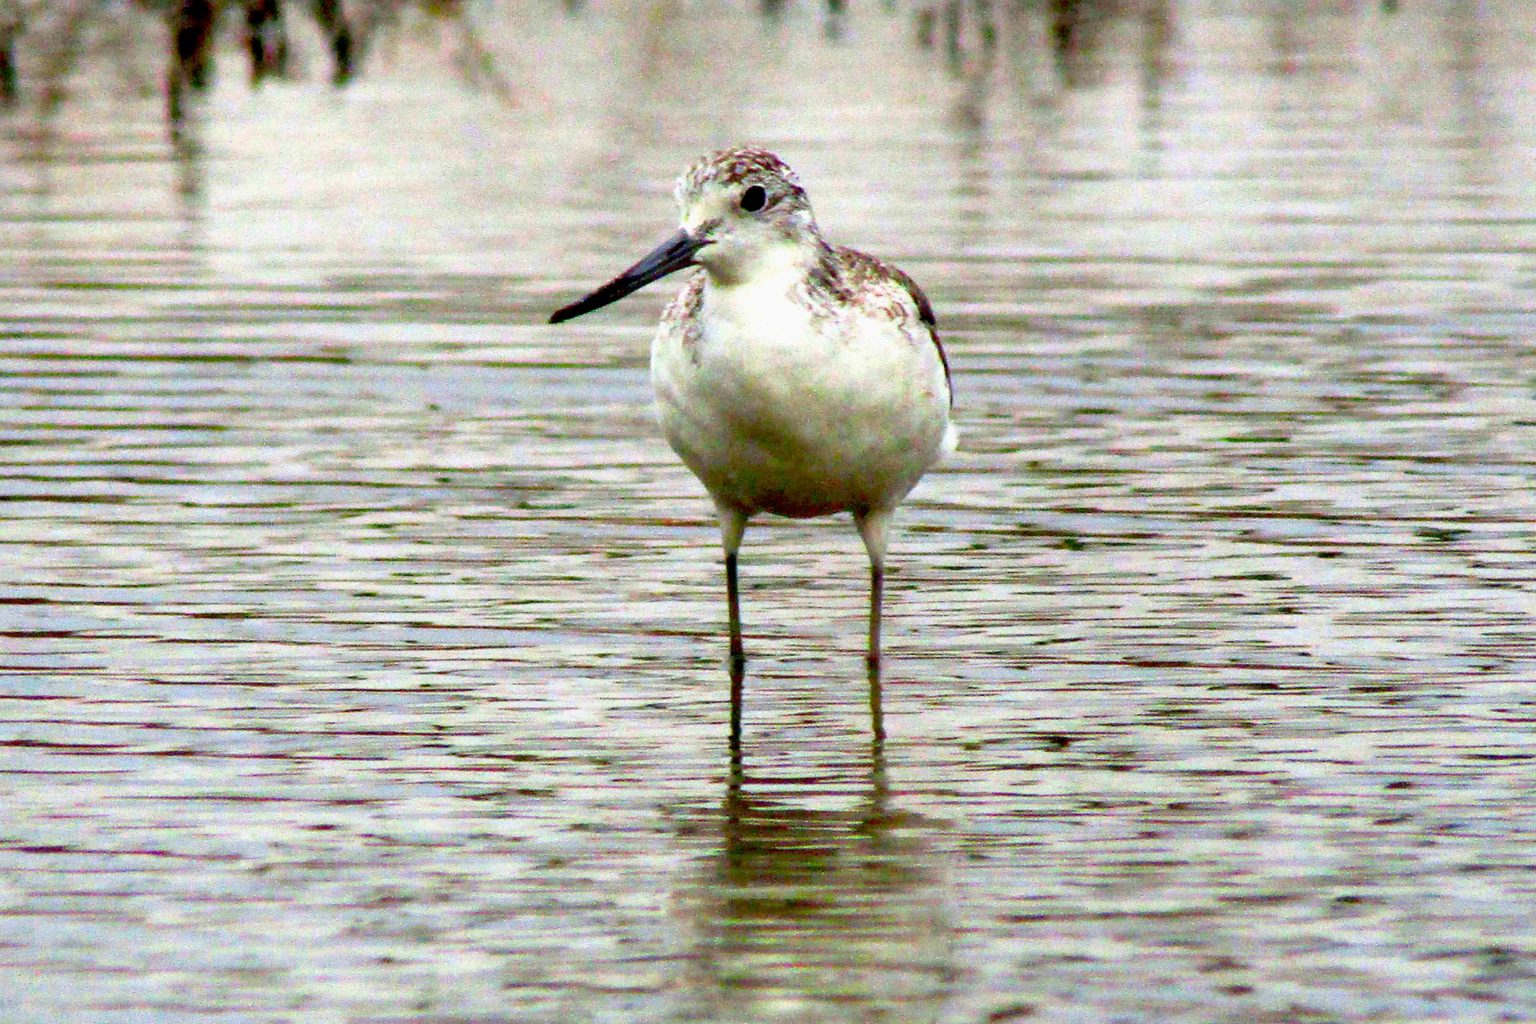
(951, 441)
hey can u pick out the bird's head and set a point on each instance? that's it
(744, 215)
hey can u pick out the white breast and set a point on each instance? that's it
(779, 405)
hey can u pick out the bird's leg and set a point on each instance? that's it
(738, 659)
(876, 589)
(738, 677)
(733, 523)
(733, 611)
(876, 717)
(874, 527)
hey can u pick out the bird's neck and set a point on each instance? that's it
(777, 264)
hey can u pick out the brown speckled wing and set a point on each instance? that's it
(682, 315)
(859, 270)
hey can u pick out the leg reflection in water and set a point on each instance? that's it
(820, 901)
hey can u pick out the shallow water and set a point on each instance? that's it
(361, 657)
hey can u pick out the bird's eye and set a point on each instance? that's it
(754, 198)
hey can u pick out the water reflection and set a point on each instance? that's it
(10, 28)
(823, 901)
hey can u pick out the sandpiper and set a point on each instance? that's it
(792, 376)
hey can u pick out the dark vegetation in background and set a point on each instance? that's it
(58, 32)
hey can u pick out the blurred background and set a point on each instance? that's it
(361, 644)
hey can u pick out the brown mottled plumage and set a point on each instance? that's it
(741, 166)
(850, 277)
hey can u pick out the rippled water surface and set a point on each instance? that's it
(361, 642)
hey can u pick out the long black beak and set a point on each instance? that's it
(673, 254)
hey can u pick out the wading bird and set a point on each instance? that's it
(792, 376)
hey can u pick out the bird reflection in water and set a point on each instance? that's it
(822, 902)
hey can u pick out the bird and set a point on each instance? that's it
(792, 376)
